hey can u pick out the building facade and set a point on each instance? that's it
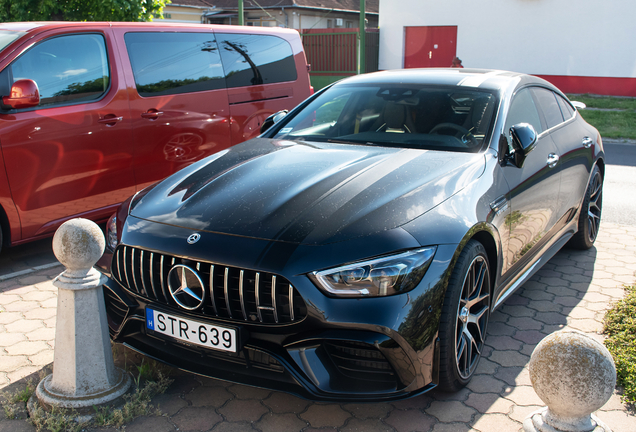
(583, 47)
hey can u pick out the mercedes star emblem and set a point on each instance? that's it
(193, 238)
(186, 288)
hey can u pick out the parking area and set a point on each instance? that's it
(572, 291)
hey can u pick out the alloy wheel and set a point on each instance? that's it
(594, 206)
(472, 317)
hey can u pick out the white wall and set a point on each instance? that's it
(542, 37)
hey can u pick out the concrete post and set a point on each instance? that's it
(574, 375)
(84, 373)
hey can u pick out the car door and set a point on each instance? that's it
(534, 188)
(71, 155)
(178, 99)
(575, 145)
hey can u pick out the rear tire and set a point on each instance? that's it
(590, 215)
(464, 319)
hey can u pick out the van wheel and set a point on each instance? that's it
(464, 319)
(590, 217)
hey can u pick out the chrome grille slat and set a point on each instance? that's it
(237, 294)
(162, 279)
(274, 298)
(152, 275)
(258, 297)
(226, 289)
(212, 289)
(291, 302)
(241, 294)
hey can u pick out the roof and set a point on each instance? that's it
(371, 6)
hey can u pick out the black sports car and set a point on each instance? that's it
(356, 248)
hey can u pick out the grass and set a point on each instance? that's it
(618, 123)
(150, 378)
(620, 328)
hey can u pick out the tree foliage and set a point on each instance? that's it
(80, 10)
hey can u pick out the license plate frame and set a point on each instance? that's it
(195, 332)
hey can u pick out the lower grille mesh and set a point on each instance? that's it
(229, 292)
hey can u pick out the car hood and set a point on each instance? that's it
(307, 192)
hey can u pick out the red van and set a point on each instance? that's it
(90, 113)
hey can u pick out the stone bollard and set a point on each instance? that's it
(84, 374)
(574, 375)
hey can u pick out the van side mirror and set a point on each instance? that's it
(273, 119)
(524, 140)
(24, 94)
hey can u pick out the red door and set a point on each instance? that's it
(430, 46)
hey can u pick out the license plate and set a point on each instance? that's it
(193, 332)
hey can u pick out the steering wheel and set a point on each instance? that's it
(465, 132)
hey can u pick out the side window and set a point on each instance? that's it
(173, 63)
(566, 108)
(67, 69)
(522, 110)
(256, 59)
(548, 103)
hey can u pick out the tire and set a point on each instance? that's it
(590, 214)
(464, 319)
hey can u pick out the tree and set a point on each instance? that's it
(80, 10)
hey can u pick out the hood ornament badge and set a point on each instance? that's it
(193, 238)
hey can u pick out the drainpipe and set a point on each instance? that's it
(362, 33)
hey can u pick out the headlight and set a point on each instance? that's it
(382, 276)
(111, 232)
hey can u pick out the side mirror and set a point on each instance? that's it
(24, 94)
(579, 105)
(272, 120)
(524, 140)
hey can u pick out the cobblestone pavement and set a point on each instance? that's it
(572, 291)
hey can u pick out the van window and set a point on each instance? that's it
(67, 69)
(172, 63)
(256, 59)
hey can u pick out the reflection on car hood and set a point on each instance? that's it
(310, 193)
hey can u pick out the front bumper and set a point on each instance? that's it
(381, 348)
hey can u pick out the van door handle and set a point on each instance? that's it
(110, 120)
(553, 158)
(587, 142)
(152, 114)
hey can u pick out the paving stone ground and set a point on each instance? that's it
(572, 291)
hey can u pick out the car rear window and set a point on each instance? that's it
(67, 69)
(172, 63)
(409, 116)
(251, 59)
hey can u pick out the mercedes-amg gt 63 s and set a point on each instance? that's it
(356, 248)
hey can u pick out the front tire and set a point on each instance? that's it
(464, 319)
(590, 217)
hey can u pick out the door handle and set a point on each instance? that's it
(152, 114)
(553, 158)
(587, 142)
(110, 120)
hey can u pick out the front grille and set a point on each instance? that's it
(117, 309)
(360, 361)
(230, 293)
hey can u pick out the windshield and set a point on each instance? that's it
(410, 116)
(7, 36)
